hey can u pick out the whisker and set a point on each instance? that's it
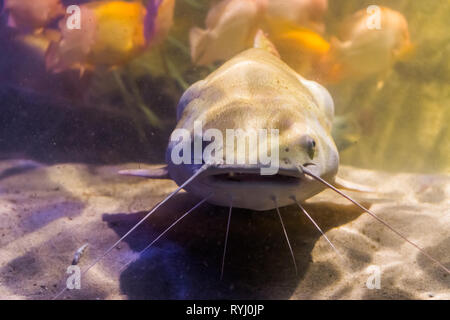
(167, 230)
(226, 239)
(195, 175)
(287, 238)
(318, 228)
(426, 254)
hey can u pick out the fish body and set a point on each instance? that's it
(159, 20)
(256, 90)
(111, 33)
(302, 49)
(119, 31)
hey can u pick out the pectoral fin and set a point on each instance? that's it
(158, 173)
(351, 186)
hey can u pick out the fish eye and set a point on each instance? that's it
(309, 144)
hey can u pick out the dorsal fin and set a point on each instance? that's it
(261, 41)
(351, 186)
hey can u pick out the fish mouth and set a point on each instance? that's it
(249, 188)
(252, 176)
(245, 177)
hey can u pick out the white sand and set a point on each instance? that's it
(47, 213)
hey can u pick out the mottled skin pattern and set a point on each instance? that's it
(256, 90)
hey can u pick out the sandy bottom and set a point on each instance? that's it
(48, 212)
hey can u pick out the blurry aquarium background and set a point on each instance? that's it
(396, 120)
(404, 126)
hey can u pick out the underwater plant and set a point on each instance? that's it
(111, 34)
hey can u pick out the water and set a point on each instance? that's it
(64, 135)
(401, 127)
(405, 124)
